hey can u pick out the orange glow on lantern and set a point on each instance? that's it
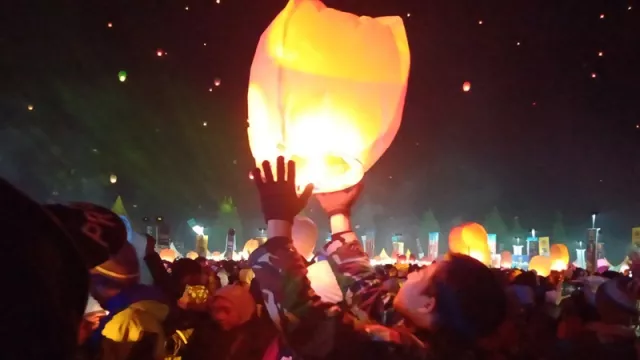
(327, 90)
(470, 239)
(466, 86)
(541, 265)
(559, 257)
(168, 255)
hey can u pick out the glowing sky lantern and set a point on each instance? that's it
(327, 89)
(217, 81)
(192, 255)
(541, 265)
(468, 237)
(113, 178)
(168, 255)
(466, 86)
(559, 257)
(122, 76)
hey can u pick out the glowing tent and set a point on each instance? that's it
(327, 89)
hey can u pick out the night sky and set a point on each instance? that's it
(550, 123)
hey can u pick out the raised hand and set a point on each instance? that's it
(340, 202)
(278, 197)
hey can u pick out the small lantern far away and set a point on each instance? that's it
(328, 95)
(217, 81)
(122, 76)
(466, 86)
(113, 179)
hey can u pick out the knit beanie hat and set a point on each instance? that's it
(96, 231)
(241, 300)
(122, 268)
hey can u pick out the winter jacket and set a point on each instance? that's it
(134, 328)
(316, 330)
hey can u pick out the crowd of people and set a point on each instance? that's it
(277, 305)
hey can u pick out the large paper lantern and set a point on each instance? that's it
(541, 265)
(304, 234)
(559, 257)
(192, 255)
(327, 89)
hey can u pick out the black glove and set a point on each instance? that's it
(278, 197)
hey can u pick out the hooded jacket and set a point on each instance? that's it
(134, 328)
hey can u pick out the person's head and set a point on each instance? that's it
(50, 265)
(185, 272)
(459, 296)
(231, 306)
(119, 272)
(615, 304)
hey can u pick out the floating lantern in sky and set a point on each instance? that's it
(204, 124)
(329, 94)
(110, 25)
(601, 16)
(594, 75)
(160, 52)
(122, 75)
(480, 22)
(466, 86)
(30, 107)
(113, 179)
(600, 53)
(217, 81)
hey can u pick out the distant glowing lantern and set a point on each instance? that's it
(113, 179)
(110, 25)
(541, 265)
(467, 237)
(122, 75)
(30, 107)
(466, 86)
(159, 52)
(192, 255)
(168, 255)
(559, 257)
(250, 246)
(329, 94)
(506, 260)
(217, 82)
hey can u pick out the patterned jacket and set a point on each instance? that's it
(316, 330)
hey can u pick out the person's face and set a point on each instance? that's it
(101, 290)
(411, 301)
(223, 312)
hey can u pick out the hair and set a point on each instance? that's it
(614, 304)
(470, 300)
